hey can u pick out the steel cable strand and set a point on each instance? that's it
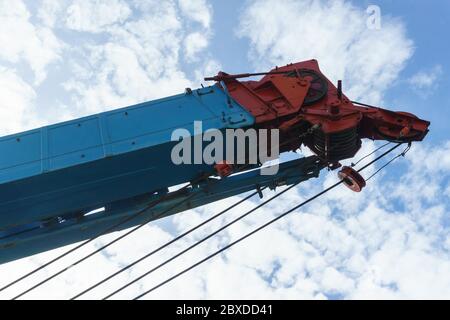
(84, 258)
(257, 229)
(202, 240)
(165, 245)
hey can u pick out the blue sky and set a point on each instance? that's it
(65, 59)
(426, 23)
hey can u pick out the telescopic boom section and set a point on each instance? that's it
(298, 97)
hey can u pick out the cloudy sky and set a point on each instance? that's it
(65, 59)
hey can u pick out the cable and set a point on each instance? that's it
(260, 228)
(82, 244)
(166, 244)
(363, 104)
(402, 154)
(105, 246)
(101, 248)
(368, 155)
(98, 250)
(158, 249)
(202, 240)
(105, 231)
(235, 242)
(110, 229)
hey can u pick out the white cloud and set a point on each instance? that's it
(335, 281)
(447, 190)
(426, 80)
(194, 43)
(197, 10)
(20, 39)
(390, 241)
(209, 67)
(321, 251)
(49, 11)
(16, 103)
(94, 16)
(137, 57)
(334, 33)
(139, 60)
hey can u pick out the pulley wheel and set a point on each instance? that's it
(352, 179)
(318, 85)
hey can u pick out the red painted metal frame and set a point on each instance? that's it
(277, 101)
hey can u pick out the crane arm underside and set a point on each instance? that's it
(35, 238)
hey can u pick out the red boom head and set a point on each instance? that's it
(298, 97)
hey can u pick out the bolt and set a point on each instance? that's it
(303, 82)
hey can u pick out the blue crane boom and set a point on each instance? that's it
(78, 228)
(53, 179)
(84, 164)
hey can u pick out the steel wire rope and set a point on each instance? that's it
(250, 233)
(166, 244)
(204, 239)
